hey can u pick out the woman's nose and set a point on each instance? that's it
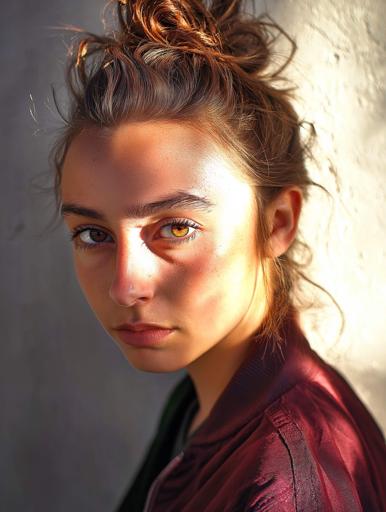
(133, 280)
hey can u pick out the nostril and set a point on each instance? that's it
(127, 294)
(128, 304)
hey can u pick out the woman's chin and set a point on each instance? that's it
(150, 360)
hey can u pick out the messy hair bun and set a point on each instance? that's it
(216, 32)
(180, 51)
(209, 64)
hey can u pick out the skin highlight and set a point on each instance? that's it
(204, 279)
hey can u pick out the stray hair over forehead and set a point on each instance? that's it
(210, 64)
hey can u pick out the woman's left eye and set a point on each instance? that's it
(179, 231)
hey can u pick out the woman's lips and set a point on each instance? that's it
(143, 337)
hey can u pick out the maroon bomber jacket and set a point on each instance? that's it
(288, 434)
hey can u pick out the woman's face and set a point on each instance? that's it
(164, 234)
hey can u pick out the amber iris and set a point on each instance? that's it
(180, 231)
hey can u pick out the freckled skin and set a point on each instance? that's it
(208, 288)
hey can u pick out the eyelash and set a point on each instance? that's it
(172, 222)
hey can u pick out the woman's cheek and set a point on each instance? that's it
(201, 282)
(218, 282)
(94, 273)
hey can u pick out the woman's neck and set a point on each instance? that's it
(212, 371)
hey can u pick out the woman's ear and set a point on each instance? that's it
(283, 216)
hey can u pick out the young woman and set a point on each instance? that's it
(181, 177)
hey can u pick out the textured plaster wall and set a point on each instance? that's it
(75, 417)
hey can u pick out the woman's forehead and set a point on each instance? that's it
(147, 158)
(141, 142)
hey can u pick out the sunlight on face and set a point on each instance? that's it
(164, 233)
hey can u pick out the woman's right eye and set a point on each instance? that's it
(89, 238)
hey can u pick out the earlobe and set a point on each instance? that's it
(283, 218)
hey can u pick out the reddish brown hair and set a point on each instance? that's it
(208, 64)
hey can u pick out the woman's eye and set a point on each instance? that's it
(88, 238)
(179, 231)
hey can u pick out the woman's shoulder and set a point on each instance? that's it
(321, 448)
(305, 453)
(325, 406)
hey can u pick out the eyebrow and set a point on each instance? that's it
(137, 211)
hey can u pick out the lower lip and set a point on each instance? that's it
(147, 338)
